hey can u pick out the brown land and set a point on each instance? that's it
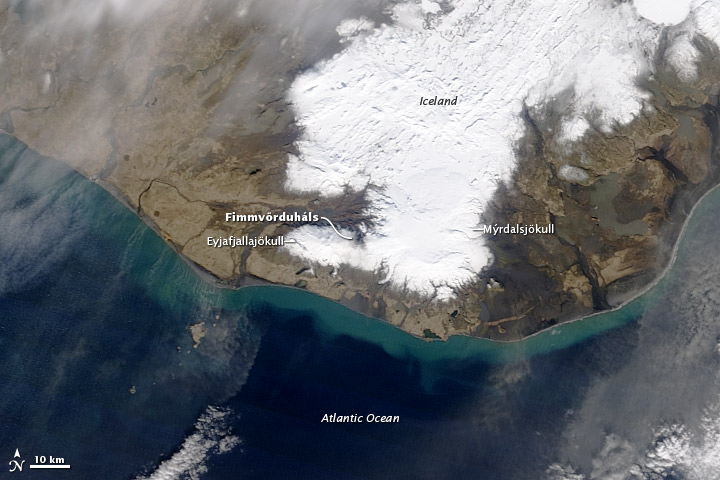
(183, 117)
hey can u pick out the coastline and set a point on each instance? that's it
(248, 281)
(333, 317)
(643, 290)
(195, 137)
(254, 282)
(251, 282)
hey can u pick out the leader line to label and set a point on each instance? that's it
(336, 230)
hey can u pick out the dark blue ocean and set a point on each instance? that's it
(99, 369)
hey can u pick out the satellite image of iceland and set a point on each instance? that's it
(360, 239)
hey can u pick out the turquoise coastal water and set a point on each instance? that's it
(170, 281)
(93, 302)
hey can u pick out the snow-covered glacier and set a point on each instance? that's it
(437, 166)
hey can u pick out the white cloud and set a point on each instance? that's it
(38, 222)
(212, 436)
(682, 56)
(668, 12)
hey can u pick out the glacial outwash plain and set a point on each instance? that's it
(187, 112)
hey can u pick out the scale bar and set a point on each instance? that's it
(50, 466)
